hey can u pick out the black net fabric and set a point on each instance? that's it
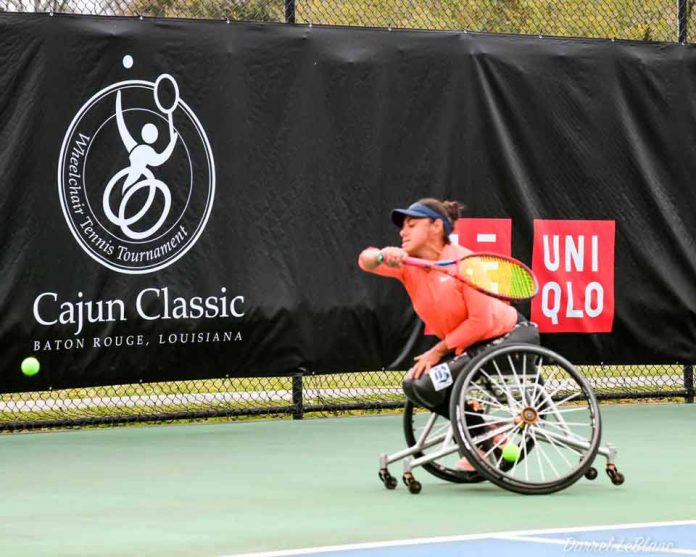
(314, 394)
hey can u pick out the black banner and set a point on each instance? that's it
(187, 199)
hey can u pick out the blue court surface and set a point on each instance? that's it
(651, 539)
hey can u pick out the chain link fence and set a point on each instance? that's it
(653, 20)
(297, 396)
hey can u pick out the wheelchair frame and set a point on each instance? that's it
(533, 410)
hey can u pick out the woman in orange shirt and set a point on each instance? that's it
(465, 320)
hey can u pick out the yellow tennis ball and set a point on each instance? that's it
(511, 452)
(30, 366)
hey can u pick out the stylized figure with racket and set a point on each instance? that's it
(459, 295)
(142, 156)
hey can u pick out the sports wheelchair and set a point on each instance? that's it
(516, 394)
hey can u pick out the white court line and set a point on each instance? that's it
(465, 537)
(578, 545)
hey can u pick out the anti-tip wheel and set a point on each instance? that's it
(591, 473)
(414, 486)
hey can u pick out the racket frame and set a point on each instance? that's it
(450, 267)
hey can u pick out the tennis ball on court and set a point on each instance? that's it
(30, 366)
(511, 452)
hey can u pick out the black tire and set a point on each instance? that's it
(509, 357)
(591, 473)
(436, 469)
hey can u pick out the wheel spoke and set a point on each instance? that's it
(482, 438)
(526, 455)
(489, 420)
(548, 396)
(513, 371)
(578, 443)
(555, 411)
(571, 434)
(539, 447)
(577, 424)
(508, 393)
(537, 377)
(538, 455)
(483, 401)
(555, 446)
(524, 378)
(517, 460)
(496, 445)
(494, 383)
(567, 399)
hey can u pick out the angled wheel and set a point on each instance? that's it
(536, 401)
(415, 426)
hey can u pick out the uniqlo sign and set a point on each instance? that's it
(484, 235)
(574, 263)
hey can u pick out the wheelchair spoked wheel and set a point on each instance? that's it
(444, 467)
(533, 398)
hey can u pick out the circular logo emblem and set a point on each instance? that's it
(136, 176)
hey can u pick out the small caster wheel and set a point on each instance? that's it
(616, 477)
(591, 473)
(414, 486)
(388, 480)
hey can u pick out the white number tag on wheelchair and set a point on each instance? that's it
(441, 376)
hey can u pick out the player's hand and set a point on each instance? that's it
(393, 257)
(424, 362)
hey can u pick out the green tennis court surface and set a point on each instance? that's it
(226, 488)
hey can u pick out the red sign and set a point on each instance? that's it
(484, 235)
(574, 262)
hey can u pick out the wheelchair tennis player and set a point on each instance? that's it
(515, 413)
(465, 320)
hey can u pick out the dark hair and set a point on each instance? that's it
(451, 210)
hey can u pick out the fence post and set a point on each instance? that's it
(297, 399)
(689, 383)
(682, 20)
(290, 11)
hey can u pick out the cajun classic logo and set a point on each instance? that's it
(136, 176)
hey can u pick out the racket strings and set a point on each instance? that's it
(499, 276)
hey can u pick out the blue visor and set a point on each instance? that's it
(420, 211)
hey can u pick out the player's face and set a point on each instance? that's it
(415, 234)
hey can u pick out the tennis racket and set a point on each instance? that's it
(495, 275)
